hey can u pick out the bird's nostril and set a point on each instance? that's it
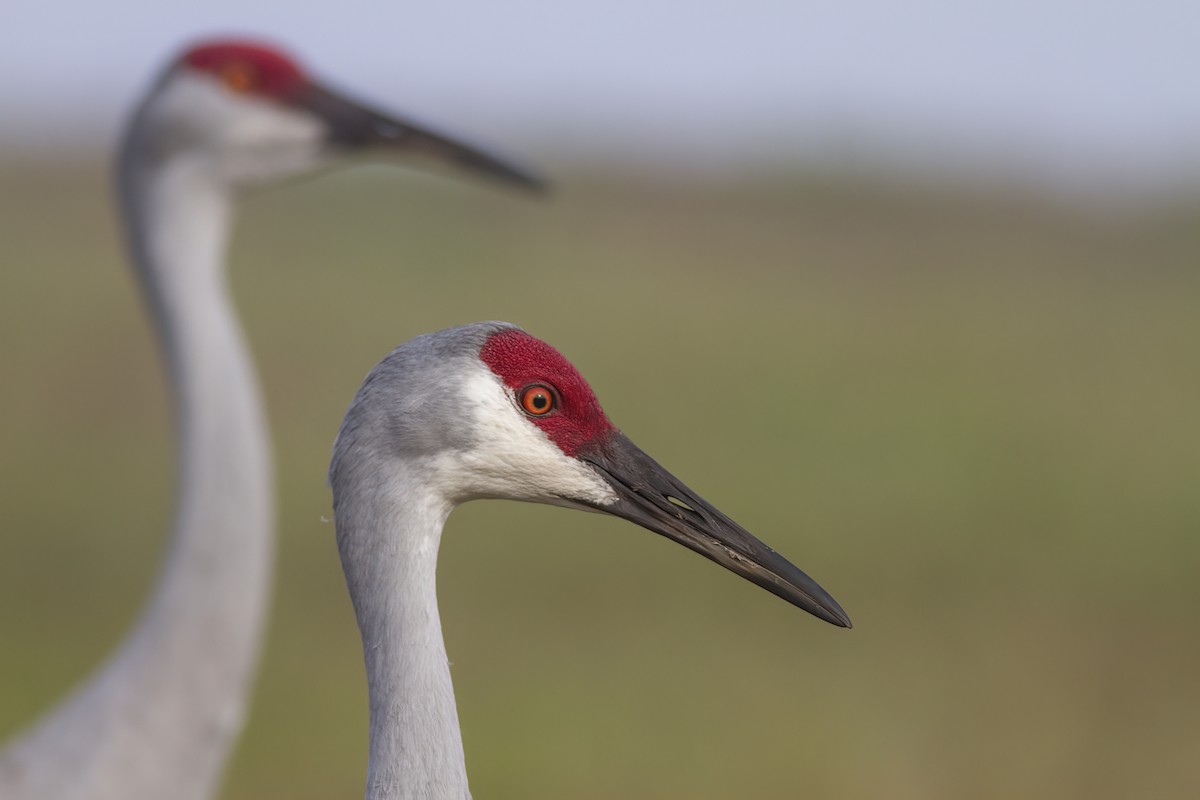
(675, 501)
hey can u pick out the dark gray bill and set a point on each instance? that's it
(354, 125)
(657, 500)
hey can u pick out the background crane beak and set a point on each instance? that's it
(655, 499)
(356, 126)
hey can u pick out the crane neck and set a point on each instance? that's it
(212, 596)
(177, 216)
(159, 718)
(389, 527)
(178, 213)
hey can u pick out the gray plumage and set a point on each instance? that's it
(412, 401)
(438, 423)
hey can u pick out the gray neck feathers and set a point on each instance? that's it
(388, 533)
(159, 718)
(390, 507)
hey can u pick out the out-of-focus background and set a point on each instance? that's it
(911, 290)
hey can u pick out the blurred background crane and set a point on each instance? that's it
(968, 240)
(159, 717)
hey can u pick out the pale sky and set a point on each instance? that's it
(1084, 83)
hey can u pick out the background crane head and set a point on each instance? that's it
(488, 411)
(253, 114)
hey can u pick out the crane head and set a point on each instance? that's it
(489, 411)
(255, 114)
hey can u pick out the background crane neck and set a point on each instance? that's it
(160, 716)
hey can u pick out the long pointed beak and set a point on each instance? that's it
(655, 499)
(356, 126)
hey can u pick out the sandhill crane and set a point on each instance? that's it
(485, 411)
(157, 720)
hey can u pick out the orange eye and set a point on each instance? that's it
(537, 400)
(239, 77)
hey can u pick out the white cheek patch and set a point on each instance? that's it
(253, 137)
(262, 122)
(511, 457)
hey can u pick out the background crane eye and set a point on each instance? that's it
(239, 77)
(537, 400)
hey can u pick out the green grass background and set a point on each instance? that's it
(971, 415)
